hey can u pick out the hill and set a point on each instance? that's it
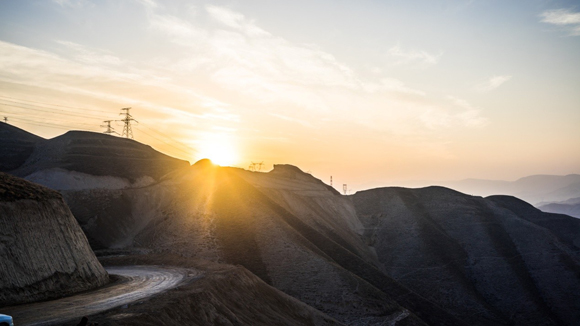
(497, 258)
(15, 147)
(99, 155)
(43, 251)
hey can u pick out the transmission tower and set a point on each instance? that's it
(109, 131)
(331, 181)
(344, 188)
(256, 166)
(5, 119)
(127, 131)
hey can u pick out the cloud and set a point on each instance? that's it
(566, 19)
(459, 113)
(302, 81)
(413, 57)
(220, 69)
(90, 55)
(95, 77)
(493, 83)
(71, 3)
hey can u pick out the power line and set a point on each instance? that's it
(184, 146)
(169, 144)
(43, 124)
(51, 110)
(59, 105)
(58, 121)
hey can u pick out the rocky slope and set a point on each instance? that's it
(43, 251)
(486, 260)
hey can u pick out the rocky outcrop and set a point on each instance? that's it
(494, 260)
(43, 252)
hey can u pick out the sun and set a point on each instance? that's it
(220, 149)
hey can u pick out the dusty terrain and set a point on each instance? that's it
(43, 251)
(219, 295)
(133, 283)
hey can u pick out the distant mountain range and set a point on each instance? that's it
(569, 207)
(535, 189)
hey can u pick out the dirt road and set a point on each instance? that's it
(137, 283)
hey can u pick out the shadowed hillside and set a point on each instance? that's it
(214, 213)
(84, 152)
(15, 147)
(497, 258)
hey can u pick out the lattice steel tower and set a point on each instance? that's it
(127, 131)
(110, 130)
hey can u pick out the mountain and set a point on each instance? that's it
(569, 207)
(533, 189)
(383, 256)
(486, 260)
(43, 251)
(286, 227)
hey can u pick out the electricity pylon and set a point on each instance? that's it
(109, 130)
(127, 131)
(256, 166)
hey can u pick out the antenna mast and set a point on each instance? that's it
(127, 131)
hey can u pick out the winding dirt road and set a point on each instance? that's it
(137, 283)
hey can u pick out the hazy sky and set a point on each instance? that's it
(370, 92)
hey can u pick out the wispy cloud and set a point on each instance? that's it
(71, 3)
(89, 55)
(493, 83)
(564, 18)
(459, 113)
(413, 57)
(220, 69)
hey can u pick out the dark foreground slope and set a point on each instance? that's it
(486, 260)
(43, 252)
(90, 153)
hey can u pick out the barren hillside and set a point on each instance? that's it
(43, 251)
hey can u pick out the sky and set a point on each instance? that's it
(373, 93)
